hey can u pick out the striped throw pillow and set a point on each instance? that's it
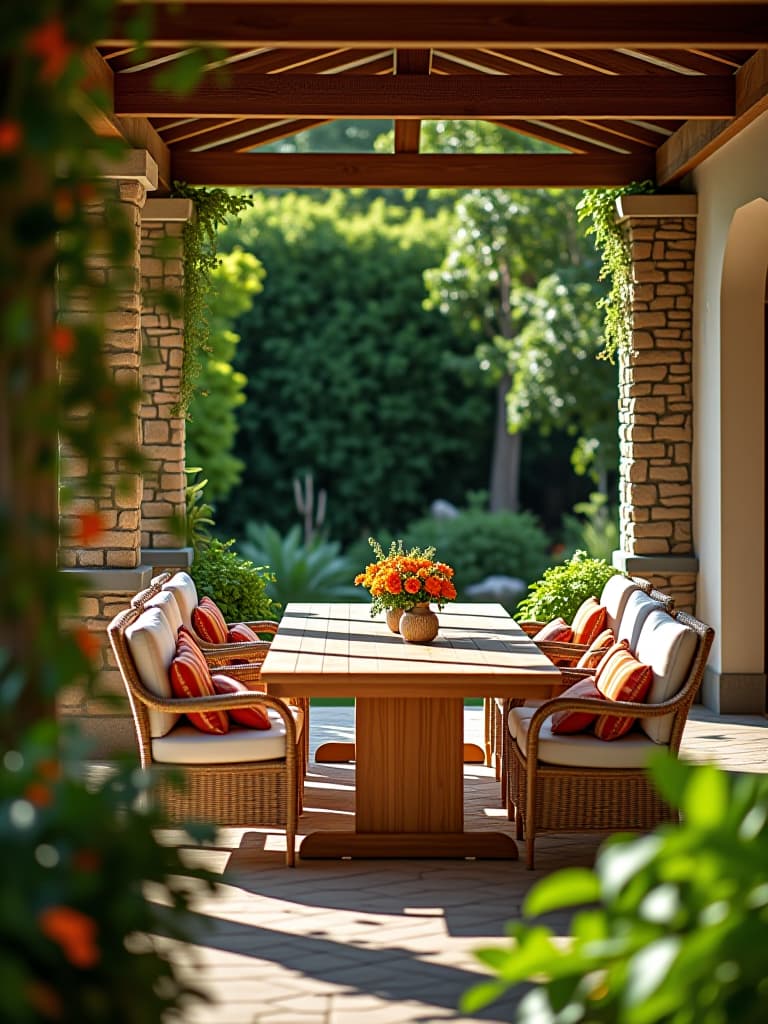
(557, 630)
(254, 716)
(588, 622)
(240, 633)
(591, 658)
(576, 721)
(209, 623)
(190, 677)
(620, 676)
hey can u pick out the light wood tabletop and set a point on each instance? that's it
(408, 716)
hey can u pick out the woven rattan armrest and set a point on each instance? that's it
(258, 626)
(530, 628)
(215, 702)
(254, 651)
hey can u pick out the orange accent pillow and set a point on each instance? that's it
(240, 633)
(255, 716)
(576, 721)
(588, 622)
(591, 658)
(190, 677)
(620, 676)
(557, 630)
(209, 623)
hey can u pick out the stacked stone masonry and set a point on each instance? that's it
(163, 433)
(655, 399)
(118, 501)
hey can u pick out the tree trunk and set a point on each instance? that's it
(505, 462)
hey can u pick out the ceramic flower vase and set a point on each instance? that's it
(393, 618)
(419, 625)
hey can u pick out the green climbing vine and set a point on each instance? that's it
(599, 204)
(212, 208)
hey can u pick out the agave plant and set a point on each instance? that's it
(303, 572)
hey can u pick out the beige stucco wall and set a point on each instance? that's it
(729, 403)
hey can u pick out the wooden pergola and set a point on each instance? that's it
(625, 91)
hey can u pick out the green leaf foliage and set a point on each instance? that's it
(237, 586)
(562, 588)
(219, 388)
(477, 543)
(680, 923)
(301, 572)
(349, 376)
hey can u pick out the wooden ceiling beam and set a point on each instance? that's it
(137, 132)
(408, 132)
(409, 170)
(606, 25)
(415, 96)
(694, 142)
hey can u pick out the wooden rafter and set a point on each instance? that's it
(604, 25)
(409, 170)
(408, 132)
(414, 96)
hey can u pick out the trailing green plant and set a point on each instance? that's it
(237, 586)
(478, 543)
(562, 588)
(199, 513)
(301, 572)
(593, 527)
(212, 209)
(676, 925)
(599, 205)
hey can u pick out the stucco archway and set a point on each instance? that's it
(742, 446)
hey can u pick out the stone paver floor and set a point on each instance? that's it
(379, 942)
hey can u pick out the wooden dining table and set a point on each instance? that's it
(409, 709)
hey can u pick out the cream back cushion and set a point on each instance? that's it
(636, 610)
(152, 644)
(614, 599)
(169, 606)
(183, 588)
(669, 648)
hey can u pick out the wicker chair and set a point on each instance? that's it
(580, 783)
(246, 777)
(182, 587)
(620, 593)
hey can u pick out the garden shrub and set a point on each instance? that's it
(237, 586)
(671, 927)
(478, 543)
(300, 572)
(562, 588)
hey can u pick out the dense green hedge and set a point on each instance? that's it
(349, 376)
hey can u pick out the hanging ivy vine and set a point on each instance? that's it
(599, 204)
(212, 209)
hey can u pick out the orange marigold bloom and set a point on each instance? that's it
(444, 569)
(10, 136)
(38, 794)
(412, 585)
(50, 44)
(433, 586)
(360, 578)
(447, 590)
(63, 340)
(394, 584)
(74, 931)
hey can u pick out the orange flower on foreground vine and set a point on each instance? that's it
(403, 579)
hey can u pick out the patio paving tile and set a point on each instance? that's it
(382, 942)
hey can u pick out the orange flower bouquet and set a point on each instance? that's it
(403, 579)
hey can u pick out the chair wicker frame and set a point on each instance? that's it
(548, 797)
(246, 793)
(497, 710)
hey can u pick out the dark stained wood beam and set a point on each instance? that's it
(415, 96)
(694, 141)
(408, 132)
(100, 115)
(606, 25)
(407, 170)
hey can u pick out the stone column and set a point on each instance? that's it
(162, 428)
(655, 397)
(111, 569)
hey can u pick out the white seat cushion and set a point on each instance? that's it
(614, 599)
(183, 588)
(187, 745)
(152, 644)
(581, 749)
(636, 610)
(668, 647)
(169, 606)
